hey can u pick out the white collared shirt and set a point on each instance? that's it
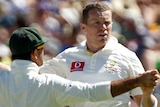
(113, 62)
(25, 87)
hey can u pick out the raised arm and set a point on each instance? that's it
(147, 81)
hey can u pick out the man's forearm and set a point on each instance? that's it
(147, 79)
(121, 86)
(149, 101)
(147, 98)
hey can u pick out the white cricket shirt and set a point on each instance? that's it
(113, 62)
(24, 87)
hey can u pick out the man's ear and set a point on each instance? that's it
(83, 27)
(34, 54)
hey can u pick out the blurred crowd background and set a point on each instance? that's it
(136, 23)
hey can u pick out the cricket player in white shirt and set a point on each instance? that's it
(101, 58)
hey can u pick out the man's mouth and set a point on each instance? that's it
(103, 35)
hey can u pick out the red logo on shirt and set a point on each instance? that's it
(77, 66)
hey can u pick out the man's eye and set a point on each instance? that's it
(96, 23)
(107, 23)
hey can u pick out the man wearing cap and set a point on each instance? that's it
(25, 87)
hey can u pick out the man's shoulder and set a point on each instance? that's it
(75, 48)
(124, 51)
(123, 48)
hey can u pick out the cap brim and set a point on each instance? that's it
(45, 39)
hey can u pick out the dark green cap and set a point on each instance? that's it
(25, 39)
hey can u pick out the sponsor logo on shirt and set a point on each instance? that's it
(112, 65)
(77, 66)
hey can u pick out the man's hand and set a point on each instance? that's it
(147, 97)
(148, 79)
